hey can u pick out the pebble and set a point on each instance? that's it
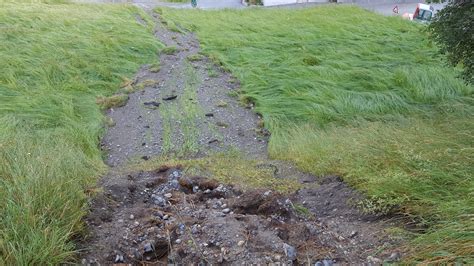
(353, 234)
(226, 210)
(207, 191)
(132, 217)
(118, 258)
(395, 256)
(166, 217)
(177, 241)
(290, 251)
(327, 262)
(277, 257)
(120, 220)
(374, 260)
(241, 243)
(224, 206)
(148, 247)
(168, 195)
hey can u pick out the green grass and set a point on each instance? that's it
(55, 61)
(345, 91)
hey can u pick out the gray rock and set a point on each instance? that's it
(290, 251)
(168, 195)
(394, 257)
(318, 263)
(148, 248)
(158, 200)
(226, 210)
(327, 262)
(118, 258)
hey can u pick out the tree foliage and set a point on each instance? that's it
(453, 29)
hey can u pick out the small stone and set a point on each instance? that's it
(267, 193)
(207, 191)
(168, 195)
(195, 189)
(118, 258)
(277, 257)
(224, 206)
(353, 234)
(148, 247)
(374, 260)
(166, 217)
(395, 256)
(318, 263)
(132, 217)
(136, 223)
(226, 210)
(290, 251)
(327, 262)
(177, 241)
(240, 243)
(120, 220)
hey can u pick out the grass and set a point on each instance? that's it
(56, 60)
(345, 91)
(229, 168)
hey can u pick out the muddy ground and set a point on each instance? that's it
(187, 108)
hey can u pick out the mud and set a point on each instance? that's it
(167, 217)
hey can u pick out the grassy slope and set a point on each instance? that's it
(350, 92)
(55, 61)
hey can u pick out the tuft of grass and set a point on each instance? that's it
(169, 50)
(195, 57)
(146, 83)
(55, 61)
(230, 168)
(117, 100)
(154, 68)
(349, 92)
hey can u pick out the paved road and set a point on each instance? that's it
(386, 9)
(203, 4)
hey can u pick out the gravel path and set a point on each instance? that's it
(187, 109)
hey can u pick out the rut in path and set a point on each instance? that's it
(188, 109)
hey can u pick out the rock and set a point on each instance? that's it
(226, 210)
(158, 200)
(169, 98)
(153, 104)
(177, 241)
(207, 191)
(318, 263)
(224, 206)
(327, 262)
(118, 258)
(267, 193)
(148, 248)
(373, 260)
(209, 115)
(240, 243)
(290, 251)
(277, 257)
(195, 189)
(145, 157)
(166, 217)
(353, 234)
(394, 257)
(168, 195)
(132, 217)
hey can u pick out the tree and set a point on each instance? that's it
(453, 29)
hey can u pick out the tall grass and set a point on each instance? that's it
(55, 61)
(345, 91)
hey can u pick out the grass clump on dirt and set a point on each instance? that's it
(56, 60)
(229, 168)
(345, 91)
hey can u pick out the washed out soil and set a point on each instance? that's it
(168, 216)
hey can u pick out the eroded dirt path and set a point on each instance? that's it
(168, 214)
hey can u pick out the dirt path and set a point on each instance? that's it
(187, 109)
